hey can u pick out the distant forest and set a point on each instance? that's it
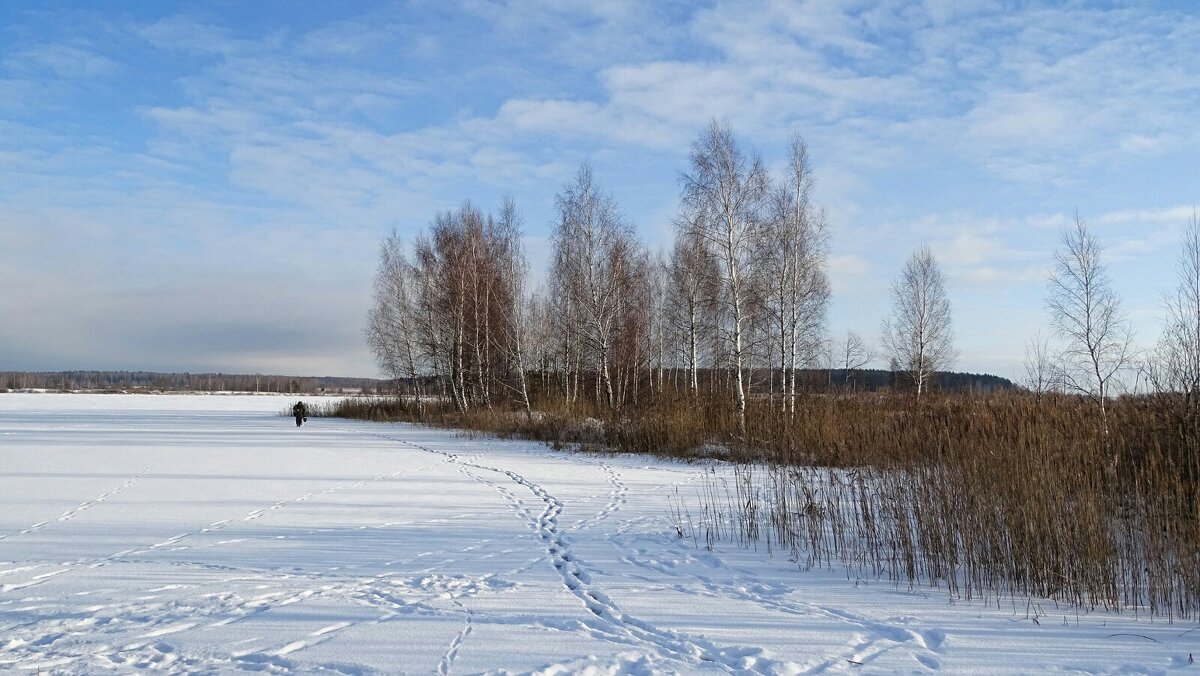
(150, 381)
(862, 380)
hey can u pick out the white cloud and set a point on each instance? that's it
(966, 125)
(1033, 119)
(61, 61)
(1138, 240)
(848, 265)
(1177, 215)
(849, 275)
(185, 34)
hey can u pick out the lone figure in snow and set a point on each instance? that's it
(301, 413)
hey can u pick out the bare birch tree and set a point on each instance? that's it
(919, 336)
(595, 251)
(391, 329)
(633, 351)
(442, 280)
(1178, 350)
(1086, 313)
(853, 353)
(563, 313)
(1039, 367)
(453, 310)
(1174, 368)
(516, 270)
(794, 250)
(691, 296)
(726, 188)
(850, 354)
(478, 269)
(543, 341)
(657, 271)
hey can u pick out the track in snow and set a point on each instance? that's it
(609, 621)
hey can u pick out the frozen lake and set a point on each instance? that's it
(208, 534)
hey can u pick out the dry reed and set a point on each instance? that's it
(998, 496)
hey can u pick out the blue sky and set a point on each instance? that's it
(203, 186)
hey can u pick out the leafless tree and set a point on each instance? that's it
(794, 250)
(854, 353)
(851, 354)
(545, 341)
(480, 271)
(564, 319)
(633, 349)
(1173, 369)
(594, 266)
(726, 189)
(454, 309)
(1086, 314)
(919, 336)
(445, 278)
(691, 295)
(657, 282)
(515, 269)
(1039, 366)
(391, 322)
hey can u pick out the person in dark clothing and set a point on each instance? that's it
(301, 413)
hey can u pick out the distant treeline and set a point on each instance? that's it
(874, 380)
(150, 381)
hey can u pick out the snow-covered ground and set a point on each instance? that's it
(209, 534)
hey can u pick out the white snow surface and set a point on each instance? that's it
(208, 534)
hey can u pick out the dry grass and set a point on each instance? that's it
(990, 497)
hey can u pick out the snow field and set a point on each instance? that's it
(207, 534)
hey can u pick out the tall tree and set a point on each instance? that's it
(1176, 363)
(919, 336)
(480, 262)
(658, 318)
(726, 188)
(794, 244)
(451, 309)
(694, 274)
(595, 253)
(391, 329)
(1086, 313)
(515, 271)
(1173, 368)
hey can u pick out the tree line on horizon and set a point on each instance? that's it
(154, 381)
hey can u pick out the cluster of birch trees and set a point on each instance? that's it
(742, 293)
(451, 309)
(736, 306)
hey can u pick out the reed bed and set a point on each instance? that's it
(997, 497)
